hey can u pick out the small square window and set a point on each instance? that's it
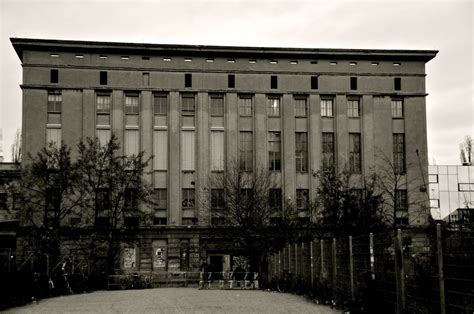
(103, 57)
(209, 60)
(375, 63)
(188, 80)
(396, 64)
(273, 62)
(79, 56)
(103, 78)
(333, 63)
(167, 59)
(54, 55)
(231, 81)
(231, 60)
(188, 59)
(353, 63)
(274, 82)
(145, 58)
(252, 61)
(124, 57)
(294, 62)
(314, 82)
(314, 62)
(353, 83)
(54, 77)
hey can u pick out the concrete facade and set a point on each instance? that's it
(312, 75)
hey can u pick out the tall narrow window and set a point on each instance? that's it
(273, 82)
(217, 105)
(273, 106)
(399, 153)
(401, 207)
(187, 151)
(328, 150)
(275, 199)
(188, 80)
(103, 78)
(103, 109)
(132, 110)
(353, 83)
(301, 151)
(131, 199)
(54, 76)
(54, 107)
(300, 106)
(160, 109)
(397, 83)
(397, 108)
(353, 107)
(188, 109)
(217, 199)
(314, 82)
(146, 78)
(327, 107)
(161, 200)
(160, 150)
(53, 135)
(302, 199)
(354, 153)
(231, 81)
(245, 105)
(274, 151)
(217, 151)
(188, 202)
(246, 151)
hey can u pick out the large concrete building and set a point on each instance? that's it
(198, 108)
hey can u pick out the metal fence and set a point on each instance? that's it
(407, 271)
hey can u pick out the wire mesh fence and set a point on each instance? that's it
(403, 271)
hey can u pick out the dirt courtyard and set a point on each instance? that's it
(176, 300)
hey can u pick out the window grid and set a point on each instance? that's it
(161, 199)
(273, 106)
(301, 151)
(399, 153)
(300, 107)
(132, 104)
(401, 200)
(246, 151)
(188, 201)
(354, 153)
(327, 108)
(328, 150)
(103, 109)
(353, 108)
(217, 105)
(275, 199)
(302, 200)
(54, 107)
(397, 108)
(274, 151)
(188, 105)
(160, 105)
(245, 106)
(217, 199)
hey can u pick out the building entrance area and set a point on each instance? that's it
(219, 262)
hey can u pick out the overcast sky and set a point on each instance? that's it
(446, 26)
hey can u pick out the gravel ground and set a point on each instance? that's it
(176, 300)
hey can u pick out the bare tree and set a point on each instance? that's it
(49, 196)
(16, 147)
(113, 189)
(466, 151)
(248, 209)
(344, 209)
(405, 196)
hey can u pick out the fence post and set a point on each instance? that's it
(439, 251)
(303, 260)
(311, 258)
(372, 256)
(334, 267)
(283, 259)
(296, 260)
(47, 265)
(322, 259)
(399, 272)
(351, 269)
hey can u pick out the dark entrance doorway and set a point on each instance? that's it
(216, 262)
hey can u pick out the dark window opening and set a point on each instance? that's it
(397, 81)
(353, 83)
(273, 82)
(314, 82)
(54, 76)
(231, 81)
(159, 221)
(130, 222)
(188, 80)
(103, 78)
